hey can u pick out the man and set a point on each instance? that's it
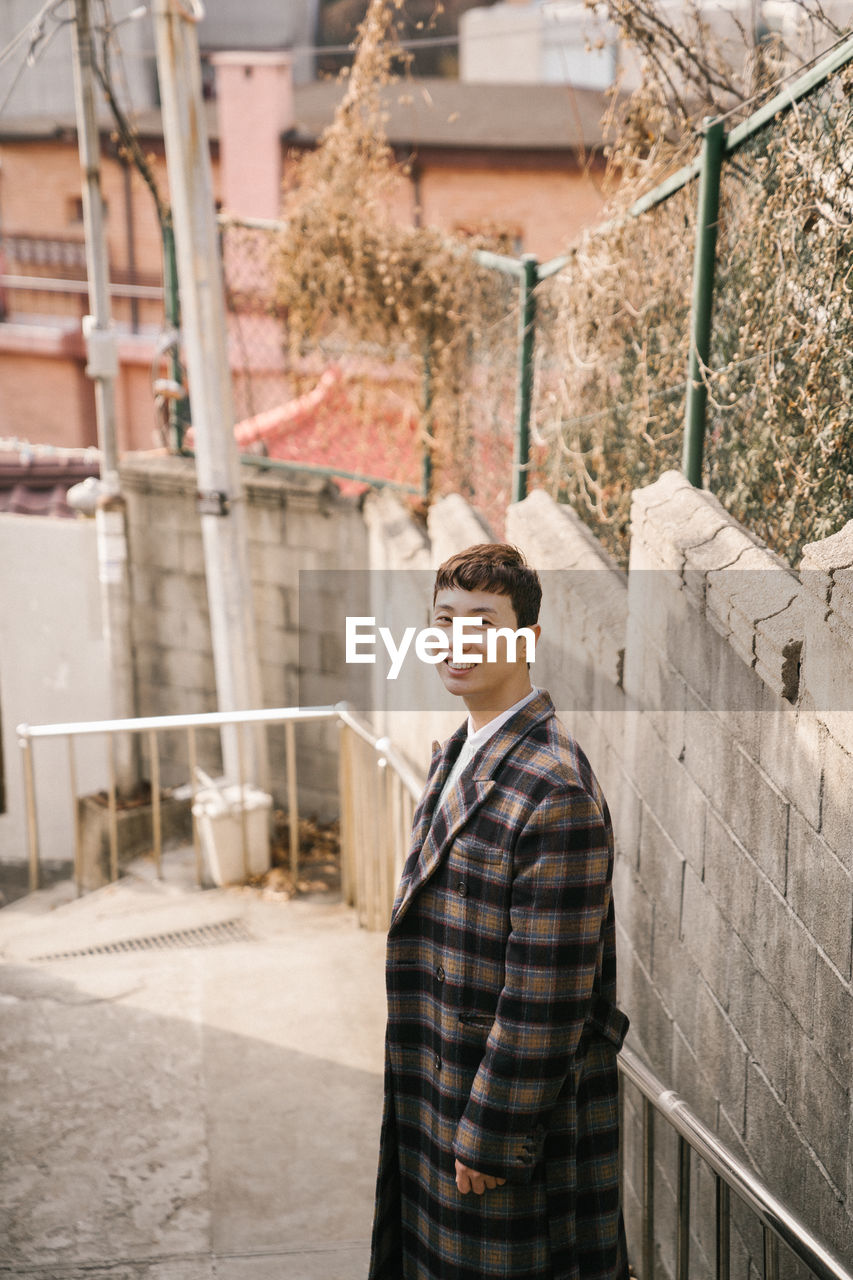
(499, 1140)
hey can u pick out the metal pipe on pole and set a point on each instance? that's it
(221, 502)
(102, 367)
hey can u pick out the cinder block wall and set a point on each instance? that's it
(723, 741)
(296, 522)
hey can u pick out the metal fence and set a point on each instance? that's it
(709, 328)
(731, 1178)
(377, 794)
(370, 408)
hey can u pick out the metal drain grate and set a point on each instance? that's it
(205, 935)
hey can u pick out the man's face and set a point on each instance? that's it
(484, 684)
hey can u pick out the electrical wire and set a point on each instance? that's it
(792, 74)
(39, 40)
(31, 31)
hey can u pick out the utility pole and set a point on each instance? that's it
(221, 501)
(102, 367)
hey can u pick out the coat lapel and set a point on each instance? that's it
(433, 832)
(440, 765)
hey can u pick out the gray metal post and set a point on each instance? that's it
(703, 299)
(648, 1246)
(100, 340)
(222, 504)
(102, 367)
(526, 339)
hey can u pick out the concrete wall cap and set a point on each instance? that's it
(661, 489)
(834, 552)
(556, 537)
(453, 524)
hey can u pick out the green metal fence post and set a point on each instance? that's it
(524, 396)
(426, 471)
(178, 409)
(703, 299)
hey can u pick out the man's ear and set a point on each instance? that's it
(537, 631)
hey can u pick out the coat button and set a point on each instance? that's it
(439, 973)
(437, 1063)
(462, 888)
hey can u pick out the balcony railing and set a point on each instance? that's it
(44, 277)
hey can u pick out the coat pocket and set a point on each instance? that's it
(467, 847)
(479, 1021)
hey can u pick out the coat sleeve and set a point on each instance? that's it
(561, 887)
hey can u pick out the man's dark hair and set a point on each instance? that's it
(497, 567)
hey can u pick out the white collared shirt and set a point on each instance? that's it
(475, 740)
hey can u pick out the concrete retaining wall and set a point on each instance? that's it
(711, 688)
(724, 749)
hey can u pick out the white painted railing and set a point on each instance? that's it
(378, 792)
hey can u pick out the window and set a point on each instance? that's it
(74, 210)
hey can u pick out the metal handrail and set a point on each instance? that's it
(384, 747)
(151, 726)
(198, 720)
(778, 1222)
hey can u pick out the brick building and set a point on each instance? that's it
(526, 159)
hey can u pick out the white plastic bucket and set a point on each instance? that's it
(219, 817)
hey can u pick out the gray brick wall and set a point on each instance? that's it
(729, 768)
(295, 523)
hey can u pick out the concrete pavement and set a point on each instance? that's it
(180, 1112)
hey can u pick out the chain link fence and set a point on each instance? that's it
(610, 366)
(607, 382)
(479, 420)
(779, 451)
(335, 403)
(372, 409)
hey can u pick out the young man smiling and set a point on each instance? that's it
(499, 1144)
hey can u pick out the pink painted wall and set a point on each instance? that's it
(255, 101)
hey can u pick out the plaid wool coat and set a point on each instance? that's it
(502, 1024)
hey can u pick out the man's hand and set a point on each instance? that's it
(470, 1180)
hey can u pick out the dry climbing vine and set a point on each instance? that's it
(612, 327)
(343, 265)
